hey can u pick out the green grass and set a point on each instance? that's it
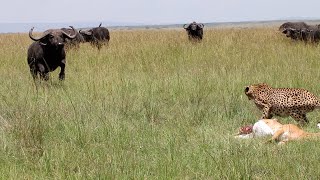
(152, 105)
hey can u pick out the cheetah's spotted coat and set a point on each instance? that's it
(282, 102)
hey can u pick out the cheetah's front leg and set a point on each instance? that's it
(266, 112)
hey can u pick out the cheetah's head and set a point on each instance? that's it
(253, 91)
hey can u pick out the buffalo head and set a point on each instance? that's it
(193, 26)
(194, 30)
(297, 34)
(87, 35)
(53, 37)
(292, 33)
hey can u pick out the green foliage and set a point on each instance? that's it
(151, 104)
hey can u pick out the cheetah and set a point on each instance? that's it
(282, 102)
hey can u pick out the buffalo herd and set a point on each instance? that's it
(47, 52)
(97, 36)
(301, 31)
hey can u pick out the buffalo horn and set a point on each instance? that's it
(201, 25)
(71, 36)
(36, 39)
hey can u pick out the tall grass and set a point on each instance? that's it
(151, 104)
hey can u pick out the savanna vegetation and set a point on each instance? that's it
(153, 105)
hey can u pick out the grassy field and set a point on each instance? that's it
(152, 105)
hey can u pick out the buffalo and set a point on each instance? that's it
(295, 34)
(97, 36)
(294, 30)
(194, 30)
(73, 42)
(301, 31)
(301, 34)
(293, 25)
(47, 53)
(312, 35)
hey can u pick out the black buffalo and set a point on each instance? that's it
(294, 30)
(73, 42)
(194, 30)
(312, 35)
(301, 31)
(300, 34)
(97, 36)
(47, 53)
(295, 34)
(293, 25)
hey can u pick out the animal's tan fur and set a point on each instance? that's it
(287, 132)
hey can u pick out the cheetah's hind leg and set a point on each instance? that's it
(300, 118)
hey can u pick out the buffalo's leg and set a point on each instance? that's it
(97, 44)
(62, 73)
(34, 72)
(44, 75)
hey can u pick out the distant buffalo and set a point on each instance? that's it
(294, 29)
(312, 35)
(301, 31)
(304, 34)
(47, 53)
(73, 42)
(295, 34)
(97, 36)
(194, 30)
(293, 25)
